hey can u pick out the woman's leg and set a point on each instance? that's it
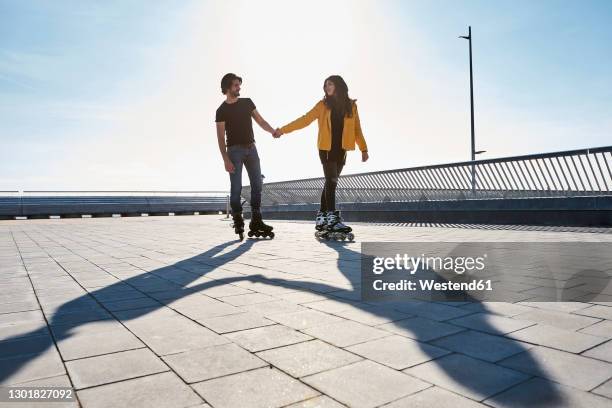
(335, 171)
(330, 169)
(323, 203)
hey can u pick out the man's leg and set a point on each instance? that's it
(236, 156)
(253, 169)
(257, 227)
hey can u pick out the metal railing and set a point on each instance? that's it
(583, 172)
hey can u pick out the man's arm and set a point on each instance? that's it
(261, 122)
(229, 166)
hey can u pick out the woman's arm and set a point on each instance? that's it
(359, 133)
(304, 120)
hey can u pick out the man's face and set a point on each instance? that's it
(234, 90)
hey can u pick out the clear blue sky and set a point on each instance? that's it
(121, 94)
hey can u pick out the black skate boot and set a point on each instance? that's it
(336, 229)
(321, 220)
(238, 224)
(320, 223)
(257, 227)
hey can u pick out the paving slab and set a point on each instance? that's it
(550, 336)
(491, 323)
(321, 401)
(600, 329)
(481, 345)
(245, 389)
(538, 392)
(346, 333)
(601, 352)
(435, 397)
(159, 390)
(94, 344)
(604, 389)
(420, 328)
(468, 376)
(398, 352)
(308, 358)
(305, 319)
(365, 384)
(267, 337)
(31, 367)
(561, 320)
(566, 368)
(211, 362)
(235, 322)
(109, 368)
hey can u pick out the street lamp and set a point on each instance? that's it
(469, 38)
(473, 150)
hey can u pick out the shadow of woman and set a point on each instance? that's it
(472, 366)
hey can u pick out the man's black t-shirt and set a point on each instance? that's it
(237, 118)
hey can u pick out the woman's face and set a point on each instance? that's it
(330, 88)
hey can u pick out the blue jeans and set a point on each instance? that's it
(248, 156)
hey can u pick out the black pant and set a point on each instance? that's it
(331, 170)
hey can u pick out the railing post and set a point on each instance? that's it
(227, 206)
(473, 180)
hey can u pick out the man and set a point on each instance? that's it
(233, 119)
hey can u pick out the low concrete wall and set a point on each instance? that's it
(100, 206)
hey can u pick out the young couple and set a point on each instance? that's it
(339, 131)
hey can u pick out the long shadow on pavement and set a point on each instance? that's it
(417, 320)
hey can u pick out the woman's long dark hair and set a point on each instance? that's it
(340, 100)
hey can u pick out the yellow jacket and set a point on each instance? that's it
(350, 135)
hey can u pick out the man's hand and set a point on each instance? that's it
(277, 133)
(364, 156)
(229, 166)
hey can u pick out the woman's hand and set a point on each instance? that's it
(277, 133)
(364, 156)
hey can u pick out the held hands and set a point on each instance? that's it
(364, 156)
(277, 133)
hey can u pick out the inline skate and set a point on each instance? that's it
(238, 225)
(258, 228)
(335, 229)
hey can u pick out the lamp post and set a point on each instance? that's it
(473, 138)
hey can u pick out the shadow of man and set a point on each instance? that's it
(68, 317)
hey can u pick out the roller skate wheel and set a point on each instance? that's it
(250, 234)
(350, 236)
(271, 235)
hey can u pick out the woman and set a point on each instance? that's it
(339, 131)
